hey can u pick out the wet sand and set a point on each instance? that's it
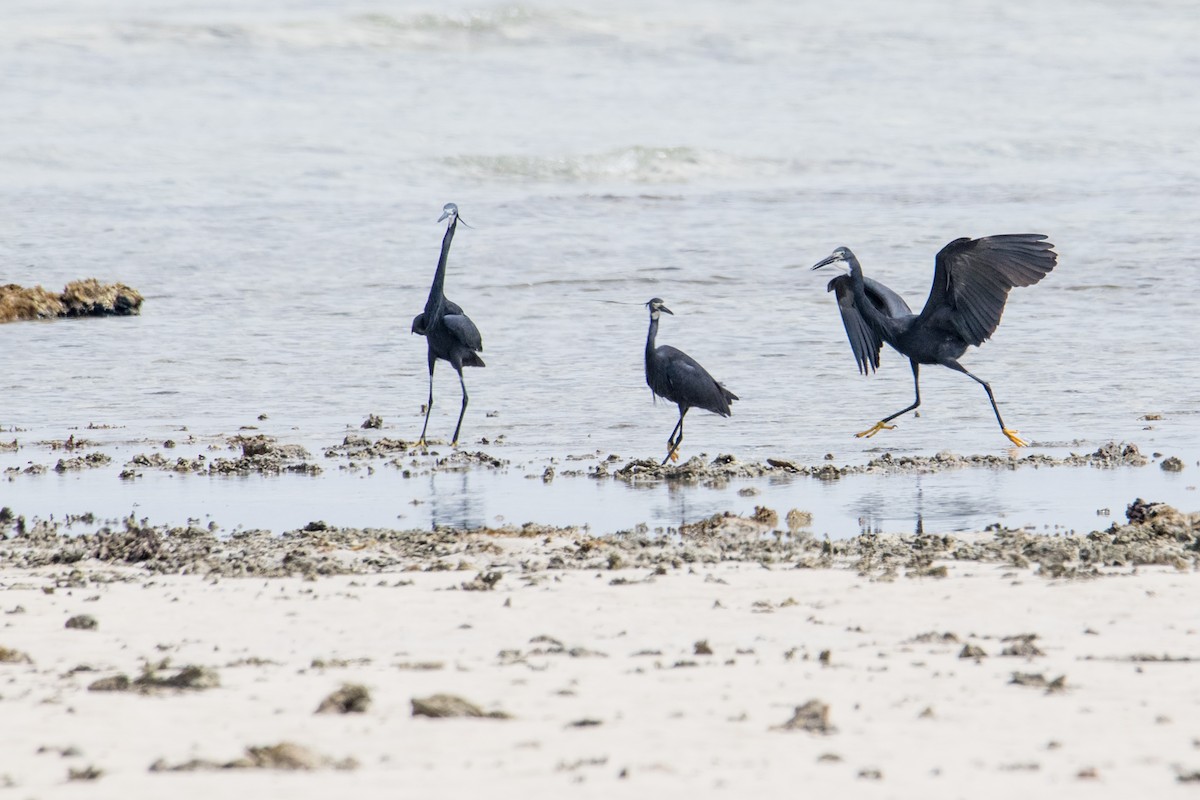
(736, 657)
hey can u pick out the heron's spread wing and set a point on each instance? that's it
(864, 341)
(464, 330)
(688, 383)
(972, 278)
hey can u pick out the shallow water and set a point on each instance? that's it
(269, 178)
(1056, 499)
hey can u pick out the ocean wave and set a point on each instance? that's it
(511, 24)
(625, 165)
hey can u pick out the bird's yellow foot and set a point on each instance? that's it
(674, 455)
(876, 428)
(1014, 438)
(421, 442)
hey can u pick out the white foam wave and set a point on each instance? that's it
(626, 165)
(505, 25)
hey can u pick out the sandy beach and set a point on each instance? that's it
(734, 659)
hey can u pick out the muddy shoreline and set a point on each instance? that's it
(248, 452)
(1154, 534)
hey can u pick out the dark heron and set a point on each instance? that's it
(449, 332)
(971, 282)
(675, 376)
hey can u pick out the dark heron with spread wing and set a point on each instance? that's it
(449, 332)
(971, 281)
(675, 376)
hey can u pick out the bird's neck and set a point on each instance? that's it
(433, 305)
(650, 335)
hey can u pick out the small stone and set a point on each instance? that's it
(441, 706)
(83, 622)
(483, 582)
(701, 648)
(88, 773)
(972, 651)
(114, 683)
(352, 698)
(11, 656)
(813, 717)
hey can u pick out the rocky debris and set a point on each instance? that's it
(357, 447)
(442, 706)
(373, 421)
(1037, 680)
(10, 656)
(287, 756)
(113, 683)
(88, 773)
(352, 698)
(483, 582)
(84, 298)
(89, 461)
(1021, 646)
(1139, 511)
(339, 663)
(813, 717)
(797, 520)
(694, 470)
(83, 622)
(1162, 535)
(972, 651)
(260, 454)
(69, 444)
(1172, 464)
(463, 459)
(191, 678)
(933, 637)
(725, 467)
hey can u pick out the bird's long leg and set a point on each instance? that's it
(429, 405)
(673, 442)
(463, 410)
(883, 423)
(1013, 436)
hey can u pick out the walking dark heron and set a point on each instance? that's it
(675, 376)
(449, 332)
(971, 282)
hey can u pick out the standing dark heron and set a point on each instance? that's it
(971, 282)
(675, 376)
(449, 332)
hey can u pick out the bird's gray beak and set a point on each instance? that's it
(666, 310)
(825, 262)
(443, 216)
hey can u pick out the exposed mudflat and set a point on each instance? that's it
(149, 661)
(1154, 534)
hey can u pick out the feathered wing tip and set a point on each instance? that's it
(473, 360)
(728, 397)
(972, 279)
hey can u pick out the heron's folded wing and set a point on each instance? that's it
(865, 343)
(690, 383)
(464, 330)
(972, 279)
